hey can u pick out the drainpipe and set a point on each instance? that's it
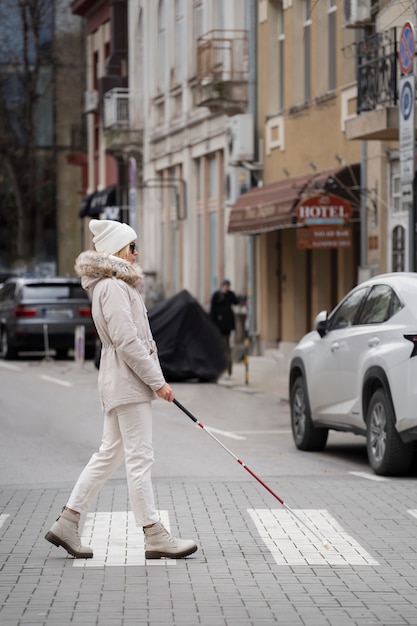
(252, 108)
(364, 223)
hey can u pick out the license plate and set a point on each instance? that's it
(66, 313)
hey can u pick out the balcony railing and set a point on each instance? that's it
(377, 61)
(222, 55)
(116, 108)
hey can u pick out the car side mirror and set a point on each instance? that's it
(320, 323)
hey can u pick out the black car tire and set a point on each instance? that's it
(388, 455)
(305, 435)
(6, 350)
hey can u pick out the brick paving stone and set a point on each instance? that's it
(233, 579)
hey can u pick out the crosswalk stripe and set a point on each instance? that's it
(3, 518)
(116, 540)
(369, 476)
(289, 542)
(56, 381)
(9, 366)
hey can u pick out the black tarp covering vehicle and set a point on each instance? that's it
(189, 344)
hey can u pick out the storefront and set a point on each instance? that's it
(295, 278)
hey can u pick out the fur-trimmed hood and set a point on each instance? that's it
(92, 266)
(130, 371)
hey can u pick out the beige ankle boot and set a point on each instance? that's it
(160, 543)
(64, 532)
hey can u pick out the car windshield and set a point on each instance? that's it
(54, 292)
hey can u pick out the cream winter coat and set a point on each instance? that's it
(129, 367)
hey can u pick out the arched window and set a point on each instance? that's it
(398, 249)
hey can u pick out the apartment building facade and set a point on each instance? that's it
(175, 89)
(157, 133)
(391, 222)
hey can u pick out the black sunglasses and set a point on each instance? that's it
(132, 247)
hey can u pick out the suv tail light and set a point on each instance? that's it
(85, 311)
(22, 311)
(413, 339)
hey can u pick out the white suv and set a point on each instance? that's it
(357, 372)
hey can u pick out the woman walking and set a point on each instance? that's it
(130, 377)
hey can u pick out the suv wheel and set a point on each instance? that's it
(6, 351)
(387, 454)
(305, 436)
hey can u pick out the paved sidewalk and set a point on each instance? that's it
(254, 566)
(262, 374)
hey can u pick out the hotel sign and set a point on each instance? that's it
(323, 209)
(322, 237)
(325, 215)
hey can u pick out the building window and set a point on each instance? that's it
(197, 27)
(307, 50)
(214, 250)
(179, 40)
(396, 194)
(332, 51)
(174, 257)
(139, 67)
(197, 179)
(198, 18)
(163, 255)
(199, 258)
(398, 249)
(162, 43)
(213, 177)
(218, 14)
(281, 40)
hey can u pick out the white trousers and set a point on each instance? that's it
(127, 434)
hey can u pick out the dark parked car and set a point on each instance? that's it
(41, 314)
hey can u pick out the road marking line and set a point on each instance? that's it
(57, 381)
(3, 518)
(368, 476)
(276, 431)
(291, 544)
(224, 433)
(412, 512)
(9, 366)
(117, 541)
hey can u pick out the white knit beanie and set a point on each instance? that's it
(111, 236)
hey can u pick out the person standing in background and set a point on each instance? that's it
(222, 314)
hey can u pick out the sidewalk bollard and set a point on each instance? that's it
(46, 342)
(246, 360)
(79, 352)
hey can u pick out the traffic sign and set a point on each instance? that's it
(406, 128)
(407, 48)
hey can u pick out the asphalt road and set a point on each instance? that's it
(51, 423)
